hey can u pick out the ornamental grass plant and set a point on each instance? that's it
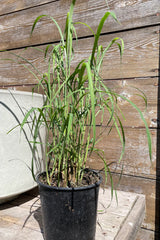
(74, 100)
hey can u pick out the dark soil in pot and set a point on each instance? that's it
(69, 213)
(89, 177)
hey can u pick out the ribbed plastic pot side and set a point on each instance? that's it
(69, 213)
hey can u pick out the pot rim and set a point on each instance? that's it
(18, 92)
(71, 188)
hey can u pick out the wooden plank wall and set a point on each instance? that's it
(140, 24)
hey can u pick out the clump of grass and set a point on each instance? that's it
(74, 99)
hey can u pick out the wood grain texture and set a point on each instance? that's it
(144, 234)
(140, 58)
(11, 6)
(142, 186)
(16, 27)
(135, 160)
(115, 221)
(13, 71)
(134, 220)
(131, 88)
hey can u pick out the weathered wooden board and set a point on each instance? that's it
(140, 58)
(142, 186)
(16, 27)
(126, 88)
(144, 234)
(135, 161)
(11, 6)
(10, 231)
(134, 220)
(14, 72)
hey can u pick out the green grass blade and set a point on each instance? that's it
(145, 123)
(114, 41)
(92, 96)
(57, 25)
(99, 29)
(27, 116)
(85, 24)
(35, 22)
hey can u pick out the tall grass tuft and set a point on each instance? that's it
(74, 100)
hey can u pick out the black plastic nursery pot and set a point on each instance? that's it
(69, 213)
